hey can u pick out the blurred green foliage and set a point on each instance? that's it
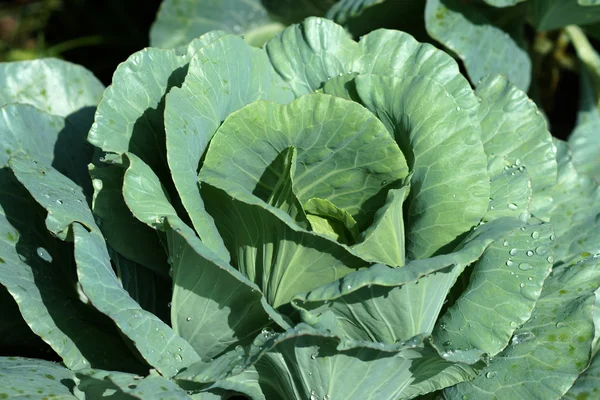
(96, 34)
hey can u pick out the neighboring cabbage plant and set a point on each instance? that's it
(316, 219)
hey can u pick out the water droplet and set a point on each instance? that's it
(535, 235)
(313, 356)
(443, 326)
(509, 263)
(513, 206)
(522, 285)
(513, 252)
(522, 337)
(47, 196)
(523, 228)
(188, 319)
(349, 287)
(326, 397)
(383, 183)
(513, 324)
(542, 250)
(530, 278)
(59, 202)
(552, 237)
(525, 266)
(447, 343)
(179, 357)
(457, 108)
(529, 253)
(169, 305)
(490, 374)
(319, 22)
(550, 259)
(313, 395)
(505, 244)
(43, 254)
(518, 162)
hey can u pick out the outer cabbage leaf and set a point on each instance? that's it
(515, 136)
(211, 320)
(126, 235)
(69, 217)
(54, 86)
(305, 362)
(223, 77)
(179, 21)
(466, 30)
(22, 378)
(37, 270)
(392, 305)
(505, 284)
(309, 54)
(587, 385)
(131, 118)
(550, 350)
(573, 211)
(97, 384)
(449, 189)
(52, 139)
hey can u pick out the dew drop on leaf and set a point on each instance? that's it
(522, 337)
(525, 266)
(542, 250)
(43, 254)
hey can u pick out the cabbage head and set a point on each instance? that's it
(317, 219)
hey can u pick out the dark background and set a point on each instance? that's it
(98, 34)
